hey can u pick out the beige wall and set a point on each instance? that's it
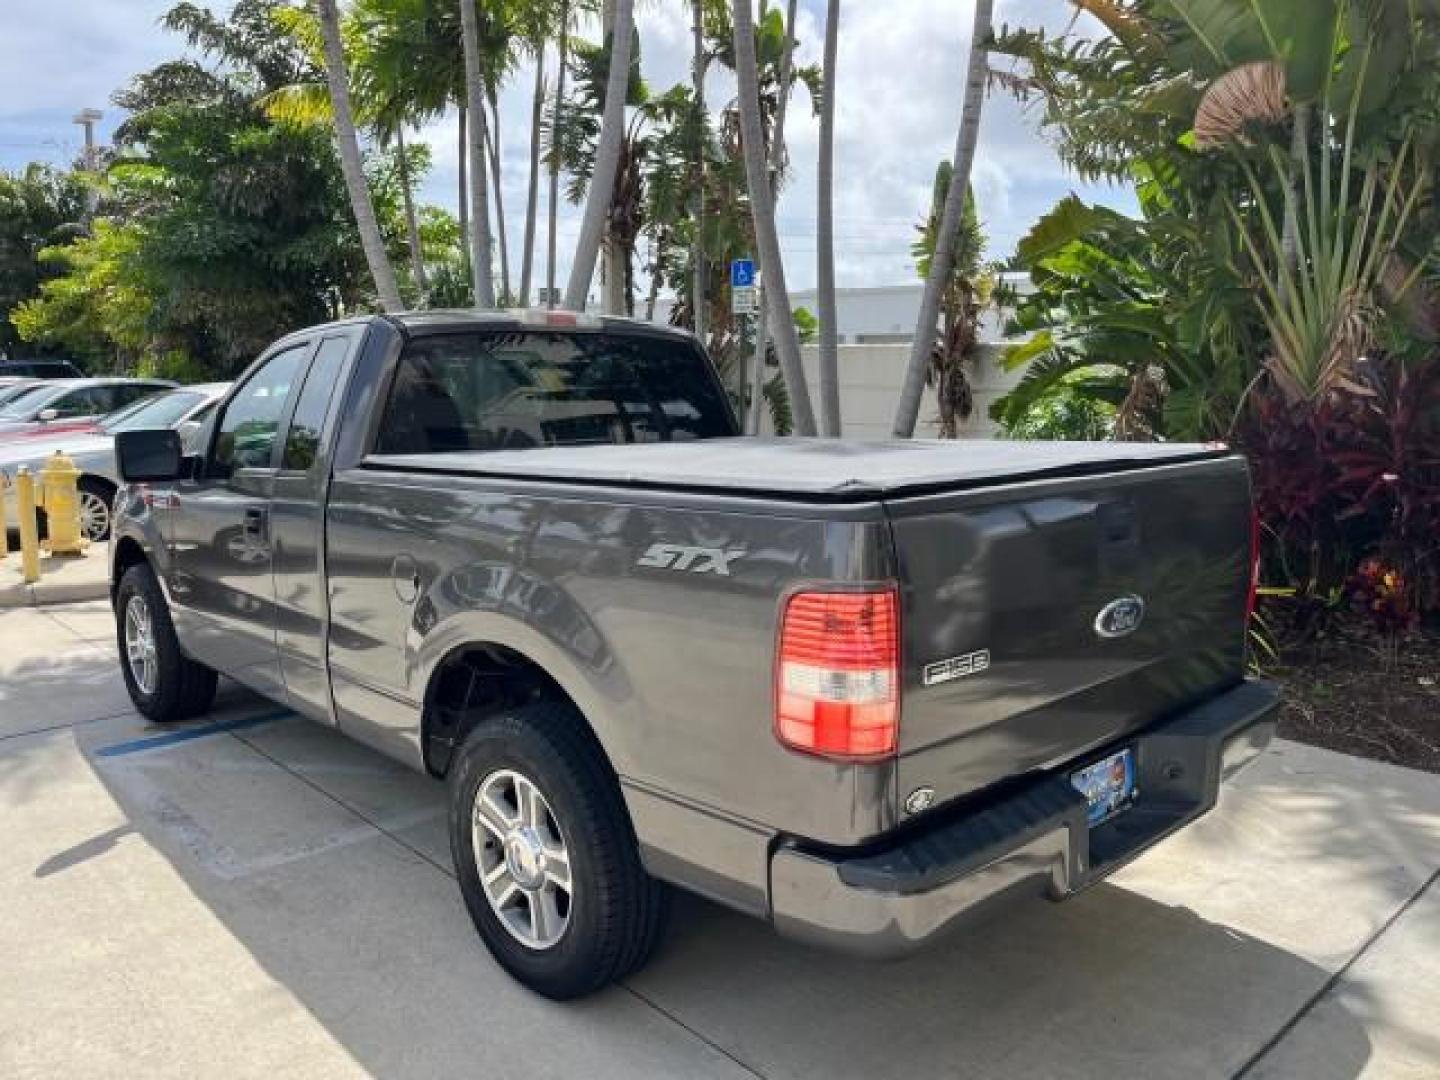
(870, 377)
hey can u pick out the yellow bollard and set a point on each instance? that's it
(29, 534)
(4, 516)
(62, 505)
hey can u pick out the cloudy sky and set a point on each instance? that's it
(901, 69)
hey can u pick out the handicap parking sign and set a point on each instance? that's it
(742, 273)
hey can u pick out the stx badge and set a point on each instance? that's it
(697, 560)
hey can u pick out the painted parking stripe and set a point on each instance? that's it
(155, 742)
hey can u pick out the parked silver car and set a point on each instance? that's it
(94, 452)
(72, 402)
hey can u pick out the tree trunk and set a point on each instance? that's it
(654, 292)
(762, 207)
(492, 143)
(607, 160)
(942, 265)
(337, 77)
(554, 205)
(612, 274)
(774, 160)
(464, 182)
(825, 237)
(699, 271)
(482, 276)
(532, 192)
(412, 221)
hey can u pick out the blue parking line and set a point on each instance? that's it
(155, 742)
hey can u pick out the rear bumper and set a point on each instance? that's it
(889, 901)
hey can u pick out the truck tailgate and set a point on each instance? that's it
(1018, 648)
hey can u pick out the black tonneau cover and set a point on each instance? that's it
(849, 470)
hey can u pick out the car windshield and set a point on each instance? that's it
(164, 411)
(10, 393)
(20, 407)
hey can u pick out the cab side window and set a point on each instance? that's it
(247, 432)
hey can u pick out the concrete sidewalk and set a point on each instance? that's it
(63, 579)
(266, 897)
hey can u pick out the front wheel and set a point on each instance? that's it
(164, 684)
(95, 498)
(546, 856)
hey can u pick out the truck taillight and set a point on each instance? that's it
(837, 673)
(1254, 565)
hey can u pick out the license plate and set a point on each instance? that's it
(1108, 785)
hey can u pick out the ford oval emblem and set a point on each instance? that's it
(1120, 617)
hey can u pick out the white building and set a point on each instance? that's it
(876, 327)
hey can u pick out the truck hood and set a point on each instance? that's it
(830, 469)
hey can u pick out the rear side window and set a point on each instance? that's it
(91, 401)
(302, 444)
(518, 389)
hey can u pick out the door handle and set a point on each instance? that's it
(256, 520)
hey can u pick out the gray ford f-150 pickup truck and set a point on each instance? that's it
(859, 689)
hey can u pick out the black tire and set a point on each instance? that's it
(617, 912)
(182, 688)
(89, 485)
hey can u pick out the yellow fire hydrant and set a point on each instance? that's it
(61, 499)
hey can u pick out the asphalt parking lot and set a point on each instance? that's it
(253, 895)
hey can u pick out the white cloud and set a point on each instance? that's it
(901, 70)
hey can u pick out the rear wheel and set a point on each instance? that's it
(546, 856)
(163, 683)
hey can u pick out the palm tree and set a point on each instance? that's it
(943, 264)
(762, 208)
(538, 20)
(336, 76)
(492, 145)
(607, 159)
(825, 234)
(962, 298)
(699, 62)
(562, 30)
(481, 272)
(775, 162)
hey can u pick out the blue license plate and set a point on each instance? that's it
(1108, 785)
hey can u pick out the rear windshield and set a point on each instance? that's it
(518, 389)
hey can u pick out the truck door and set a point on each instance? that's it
(297, 529)
(222, 588)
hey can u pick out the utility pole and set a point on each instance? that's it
(88, 118)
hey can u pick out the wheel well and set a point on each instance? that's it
(128, 553)
(475, 682)
(97, 481)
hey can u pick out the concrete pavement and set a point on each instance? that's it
(63, 579)
(269, 898)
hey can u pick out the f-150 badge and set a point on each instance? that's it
(956, 667)
(696, 560)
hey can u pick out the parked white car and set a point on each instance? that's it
(94, 452)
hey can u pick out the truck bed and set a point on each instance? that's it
(822, 470)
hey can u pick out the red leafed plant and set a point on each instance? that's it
(1352, 477)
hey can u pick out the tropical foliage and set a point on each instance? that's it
(1279, 288)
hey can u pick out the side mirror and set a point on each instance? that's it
(154, 456)
(46, 415)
